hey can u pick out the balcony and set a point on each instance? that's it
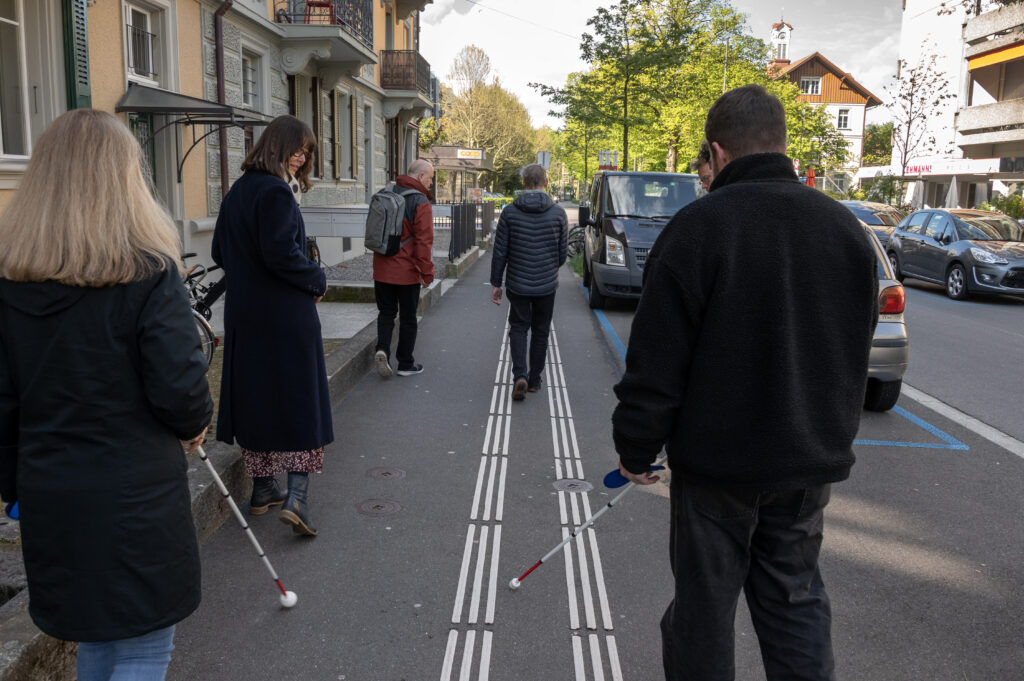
(404, 70)
(337, 34)
(405, 78)
(991, 130)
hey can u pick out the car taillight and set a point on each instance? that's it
(892, 300)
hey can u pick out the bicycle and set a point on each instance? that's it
(201, 297)
(576, 239)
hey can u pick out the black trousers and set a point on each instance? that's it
(767, 545)
(402, 300)
(529, 314)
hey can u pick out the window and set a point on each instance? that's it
(13, 112)
(810, 85)
(936, 225)
(139, 31)
(250, 83)
(916, 223)
(780, 50)
(844, 119)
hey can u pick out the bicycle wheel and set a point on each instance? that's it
(206, 337)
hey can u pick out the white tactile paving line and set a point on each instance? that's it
(583, 552)
(478, 575)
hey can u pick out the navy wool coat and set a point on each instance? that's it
(97, 386)
(274, 393)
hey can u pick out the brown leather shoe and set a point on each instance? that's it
(519, 390)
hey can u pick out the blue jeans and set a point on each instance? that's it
(142, 658)
(765, 544)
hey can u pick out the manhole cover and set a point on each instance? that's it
(385, 473)
(376, 507)
(570, 485)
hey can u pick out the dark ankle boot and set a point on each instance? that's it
(296, 508)
(265, 493)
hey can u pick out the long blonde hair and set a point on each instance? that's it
(83, 213)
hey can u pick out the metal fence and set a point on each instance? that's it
(469, 224)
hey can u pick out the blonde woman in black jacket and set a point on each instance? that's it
(101, 382)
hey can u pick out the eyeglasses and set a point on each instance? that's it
(301, 152)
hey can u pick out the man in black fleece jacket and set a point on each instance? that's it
(530, 242)
(748, 362)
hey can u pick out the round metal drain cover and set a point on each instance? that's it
(375, 507)
(571, 485)
(385, 473)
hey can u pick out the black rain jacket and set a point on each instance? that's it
(97, 387)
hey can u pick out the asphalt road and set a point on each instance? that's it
(922, 547)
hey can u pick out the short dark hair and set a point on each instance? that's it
(286, 135)
(747, 120)
(703, 156)
(534, 176)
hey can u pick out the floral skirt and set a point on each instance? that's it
(265, 464)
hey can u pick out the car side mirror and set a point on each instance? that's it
(584, 215)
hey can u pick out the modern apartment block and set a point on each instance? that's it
(980, 136)
(197, 80)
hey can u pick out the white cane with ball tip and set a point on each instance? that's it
(288, 598)
(612, 479)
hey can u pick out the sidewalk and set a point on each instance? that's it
(348, 322)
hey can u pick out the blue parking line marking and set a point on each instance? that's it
(950, 442)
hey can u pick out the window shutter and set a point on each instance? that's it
(293, 95)
(318, 124)
(76, 54)
(336, 123)
(353, 104)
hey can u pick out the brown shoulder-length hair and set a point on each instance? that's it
(284, 136)
(83, 213)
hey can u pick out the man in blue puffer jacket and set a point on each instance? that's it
(530, 242)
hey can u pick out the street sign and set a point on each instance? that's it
(544, 159)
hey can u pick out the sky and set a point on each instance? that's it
(538, 40)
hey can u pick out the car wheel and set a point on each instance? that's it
(956, 282)
(895, 267)
(597, 300)
(882, 395)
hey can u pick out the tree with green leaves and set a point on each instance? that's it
(877, 144)
(481, 114)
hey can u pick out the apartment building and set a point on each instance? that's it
(197, 80)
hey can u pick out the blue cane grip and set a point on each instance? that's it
(616, 479)
(11, 510)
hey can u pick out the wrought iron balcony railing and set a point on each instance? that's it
(354, 16)
(404, 70)
(140, 52)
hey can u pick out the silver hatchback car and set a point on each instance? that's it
(890, 348)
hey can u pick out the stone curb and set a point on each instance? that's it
(27, 654)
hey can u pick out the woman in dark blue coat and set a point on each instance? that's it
(101, 377)
(274, 400)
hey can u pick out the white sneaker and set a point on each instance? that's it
(383, 366)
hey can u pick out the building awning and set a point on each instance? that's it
(1005, 54)
(190, 110)
(184, 110)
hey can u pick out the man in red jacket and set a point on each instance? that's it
(397, 279)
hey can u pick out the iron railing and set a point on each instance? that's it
(470, 224)
(404, 70)
(354, 16)
(140, 52)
